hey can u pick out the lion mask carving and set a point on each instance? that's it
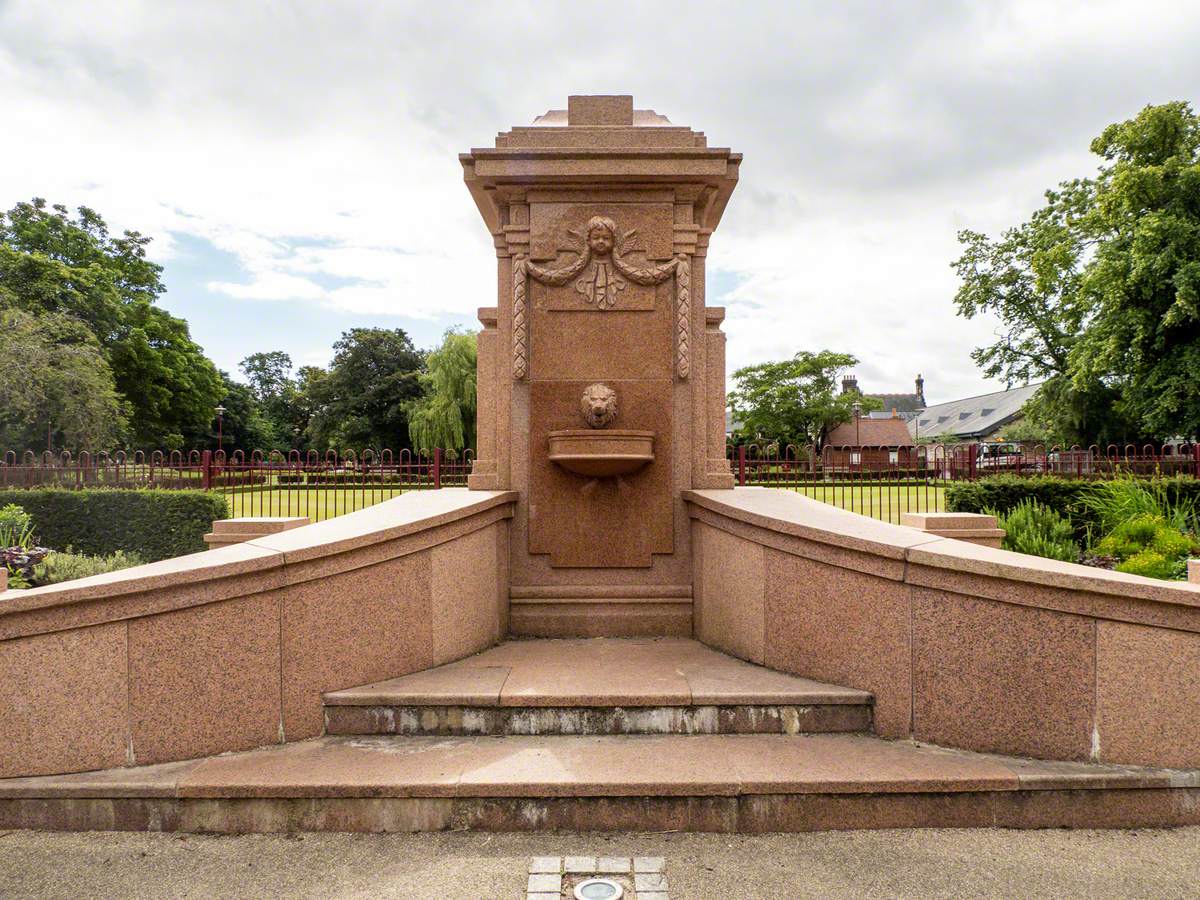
(599, 405)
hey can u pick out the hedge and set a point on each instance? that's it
(154, 524)
(1000, 493)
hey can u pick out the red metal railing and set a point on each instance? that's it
(311, 484)
(883, 481)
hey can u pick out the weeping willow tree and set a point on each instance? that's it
(445, 415)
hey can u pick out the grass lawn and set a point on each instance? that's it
(878, 501)
(316, 503)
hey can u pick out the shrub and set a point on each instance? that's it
(1032, 528)
(1148, 543)
(1122, 499)
(1150, 564)
(16, 527)
(154, 524)
(68, 566)
(1067, 496)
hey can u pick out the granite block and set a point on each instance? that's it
(733, 609)
(1148, 695)
(354, 628)
(205, 679)
(844, 627)
(1002, 679)
(465, 613)
(64, 697)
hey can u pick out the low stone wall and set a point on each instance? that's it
(962, 645)
(232, 648)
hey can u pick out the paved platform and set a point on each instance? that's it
(598, 686)
(598, 672)
(700, 782)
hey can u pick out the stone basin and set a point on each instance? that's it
(602, 454)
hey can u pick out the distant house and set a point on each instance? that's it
(906, 406)
(869, 445)
(981, 418)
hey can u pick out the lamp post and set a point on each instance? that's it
(220, 410)
(856, 408)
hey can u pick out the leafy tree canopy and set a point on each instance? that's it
(57, 390)
(364, 398)
(1099, 292)
(795, 400)
(445, 416)
(53, 264)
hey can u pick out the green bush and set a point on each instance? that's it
(1072, 498)
(68, 566)
(154, 524)
(16, 527)
(1150, 564)
(1147, 544)
(1032, 528)
(1123, 499)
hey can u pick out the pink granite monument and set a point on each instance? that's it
(601, 370)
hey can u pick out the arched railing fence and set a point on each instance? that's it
(884, 481)
(255, 483)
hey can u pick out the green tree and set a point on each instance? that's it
(278, 396)
(1098, 292)
(51, 263)
(1143, 284)
(57, 390)
(795, 400)
(364, 398)
(445, 416)
(243, 425)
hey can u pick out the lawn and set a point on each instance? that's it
(316, 503)
(879, 501)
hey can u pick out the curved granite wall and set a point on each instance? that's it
(232, 648)
(962, 645)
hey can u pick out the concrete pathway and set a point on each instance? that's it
(944, 863)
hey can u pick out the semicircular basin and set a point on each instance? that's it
(602, 453)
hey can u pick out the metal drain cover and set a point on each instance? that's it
(598, 889)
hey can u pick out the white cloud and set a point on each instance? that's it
(318, 142)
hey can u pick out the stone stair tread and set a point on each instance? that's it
(598, 672)
(621, 766)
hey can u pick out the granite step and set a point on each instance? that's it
(597, 686)
(748, 783)
(586, 612)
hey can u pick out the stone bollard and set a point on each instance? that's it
(238, 531)
(1194, 571)
(974, 528)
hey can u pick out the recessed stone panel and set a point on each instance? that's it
(594, 522)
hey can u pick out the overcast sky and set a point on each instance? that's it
(297, 164)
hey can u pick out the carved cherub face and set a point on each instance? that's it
(599, 405)
(601, 235)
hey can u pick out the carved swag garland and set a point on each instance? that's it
(600, 286)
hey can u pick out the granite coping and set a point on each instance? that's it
(558, 766)
(788, 513)
(598, 672)
(401, 516)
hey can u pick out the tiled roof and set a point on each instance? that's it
(899, 402)
(871, 433)
(973, 417)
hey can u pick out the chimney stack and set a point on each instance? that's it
(849, 384)
(921, 389)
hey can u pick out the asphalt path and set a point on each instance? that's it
(446, 866)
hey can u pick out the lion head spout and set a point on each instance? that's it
(599, 405)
